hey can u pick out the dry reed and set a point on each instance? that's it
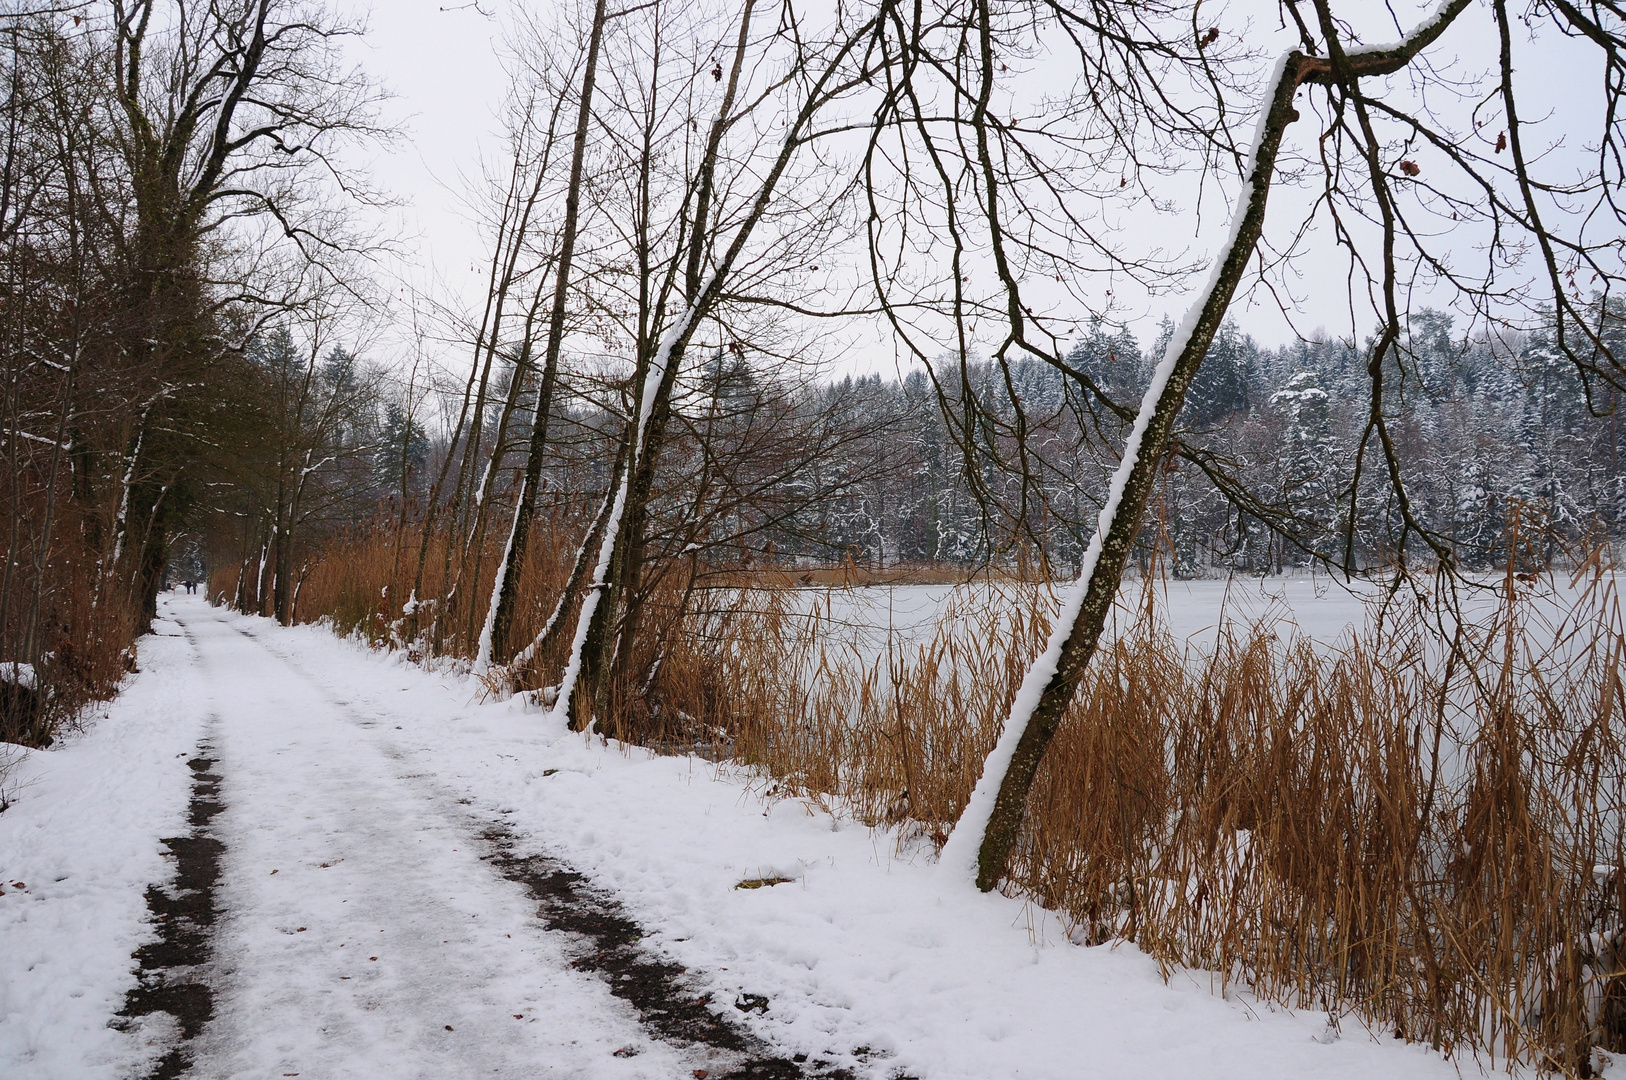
(1417, 832)
(1425, 839)
(365, 586)
(86, 629)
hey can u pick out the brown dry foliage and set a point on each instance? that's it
(363, 587)
(1426, 840)
(86, 651)
(1422, 839)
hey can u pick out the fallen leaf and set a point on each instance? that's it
(372, 958)
(273, 871)
(448, 1027)
(519, 1016)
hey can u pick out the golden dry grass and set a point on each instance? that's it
(364, 586)
(1421, 839)
(1424, 840)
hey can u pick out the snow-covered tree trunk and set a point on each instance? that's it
(671, 346)
(706, 275)
(505, 589)
(982, 839)
(578, 571)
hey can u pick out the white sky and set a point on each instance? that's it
(441, 60)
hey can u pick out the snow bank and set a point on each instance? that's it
(865, 958)
(79, 845)
(18, 674)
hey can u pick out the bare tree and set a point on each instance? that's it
(494, 639)
(1368, 183)
(228, 115)
(718, 224)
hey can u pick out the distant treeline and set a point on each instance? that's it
(767, 470)
(1272, 472)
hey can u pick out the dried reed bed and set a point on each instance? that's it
(1418, 831)
(1414, 832)
(363, 586)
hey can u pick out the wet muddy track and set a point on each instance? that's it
(172, 973)
(657, 987)
(173, 969)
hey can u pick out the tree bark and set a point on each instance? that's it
(993, 817)
(494, 643)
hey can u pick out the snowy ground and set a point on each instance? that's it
(363, 934)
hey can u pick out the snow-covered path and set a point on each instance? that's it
(364, 935)
(359, 796)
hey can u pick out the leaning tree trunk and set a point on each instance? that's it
(987, 830)
(551, 629)
(494, 641)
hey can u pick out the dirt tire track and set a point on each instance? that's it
(668, 1006)
(172, 974)
(656, 987)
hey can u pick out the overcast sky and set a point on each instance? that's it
(441, 60)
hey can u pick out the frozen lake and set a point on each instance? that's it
(1325, 610)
